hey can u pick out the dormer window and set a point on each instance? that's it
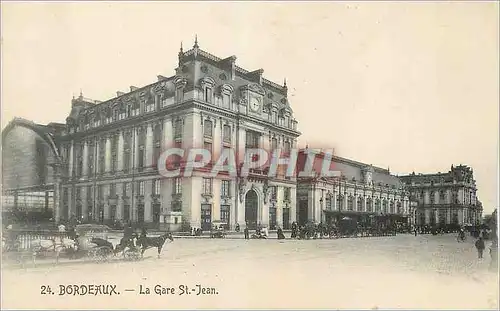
(226, 101)
(179, 94)
(150, 106)
(116, 114)
(226, 91)
(135, 109)
(208, 94)
(109, 115)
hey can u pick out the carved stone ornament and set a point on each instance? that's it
(160, 87)
(266, 191)
(223, 76)
(242, 189)
(204, 68)
(256, 88)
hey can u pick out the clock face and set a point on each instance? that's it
(254, 104)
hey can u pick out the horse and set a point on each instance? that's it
(126, 242)
(158, 242)
(55, 245)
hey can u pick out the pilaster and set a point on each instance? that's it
(148, 208)
(149, 146)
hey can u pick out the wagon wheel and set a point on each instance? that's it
(131, 254)
(101, 254)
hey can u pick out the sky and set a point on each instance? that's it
(404, 86)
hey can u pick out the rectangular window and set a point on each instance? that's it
(112, 190)
(207, 186)
(287, 194)
(224, 214)
(178, 129)
(141, 187)
(226, 134)
(167, 101)
(177, 186)
(226, 188)
(177, 206)
(208, 146)
(252, 139)
(157, 187)
(208, 128)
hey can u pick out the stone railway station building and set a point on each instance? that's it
(100, 166)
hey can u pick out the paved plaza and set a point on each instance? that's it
(384, 272)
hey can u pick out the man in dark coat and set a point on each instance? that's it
(247, 233)
(281, 236)
(480, 247)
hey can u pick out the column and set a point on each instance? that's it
(216, 188)
(120, 204)
(448, 216)
(105, 195)
(311, 204)
(427, 216)
(135, 148)
(107, 155)
(293, 204)
(57, 194)
(85, 162)
(149, 146)
(96, 157)
(148, 207)
(71, 160)
(216, 140)
(84, 202)
(120, 154)
(71, 201)
(280, 196)
(168, 134)
(334, 201)
(263, 213)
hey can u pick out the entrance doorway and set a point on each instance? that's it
(206, 217)
(302, 219)
(140, 213)
(251, 206)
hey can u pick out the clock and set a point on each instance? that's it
(254, 104)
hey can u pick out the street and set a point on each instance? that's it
(382, 272)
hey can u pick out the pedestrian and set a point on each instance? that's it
(415, 229)
(480, 247)
(494, 255)
(247, 233)
(237, 227)
(281, 236)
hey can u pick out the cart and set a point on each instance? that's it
(92, 242)
(218, 230)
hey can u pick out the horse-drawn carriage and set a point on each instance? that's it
(218, 230)
(92, 242)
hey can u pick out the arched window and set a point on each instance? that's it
(377, 206)
(369, 207)
(359, 204)
(391, 206)
(350, 203)
(384, 206)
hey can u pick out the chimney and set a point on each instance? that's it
(133, 88)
